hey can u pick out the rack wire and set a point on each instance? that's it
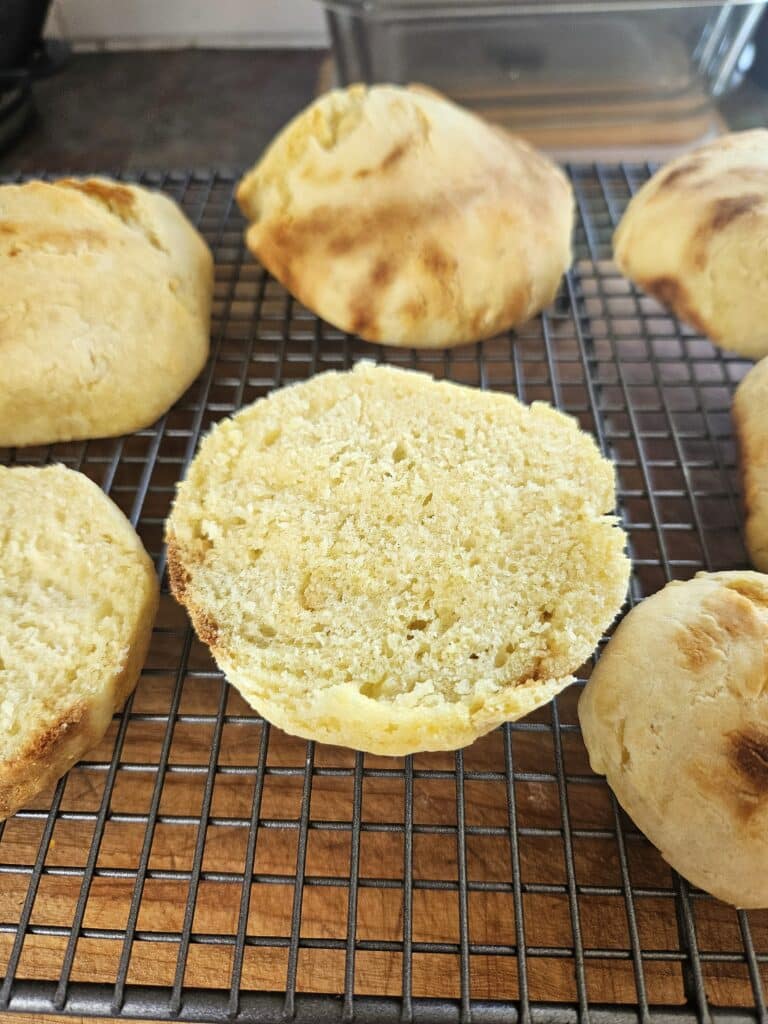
(200, 865)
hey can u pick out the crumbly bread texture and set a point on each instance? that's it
(398, 216)
(676, 716)
(750, 417)
(393, 564)
(78, 596)
(105, 297)
(694, 237)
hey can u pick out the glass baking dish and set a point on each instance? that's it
(555, 66)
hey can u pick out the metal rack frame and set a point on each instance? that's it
(657, 399)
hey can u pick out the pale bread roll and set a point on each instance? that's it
(675, 715)
(695, 235)
(750, 417)
(78, 596)
(105, 298)
(394, 564)
(398, 216)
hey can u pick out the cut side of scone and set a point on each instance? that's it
(78, 596)
(394, 564)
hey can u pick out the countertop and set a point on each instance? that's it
(163, 110)
(195, 108)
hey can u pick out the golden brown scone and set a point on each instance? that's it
(750, 417)
(78, 596)
(398, 216)
(676, 717)
(694, 237)
(105, 298)
(394, 564)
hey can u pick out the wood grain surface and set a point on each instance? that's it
(28, 1018)
(548, 923)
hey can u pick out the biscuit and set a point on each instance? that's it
(78, 596)
(105, 297)
(394, 564)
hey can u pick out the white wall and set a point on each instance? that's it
(130, 24)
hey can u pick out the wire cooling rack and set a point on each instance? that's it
(200, 865)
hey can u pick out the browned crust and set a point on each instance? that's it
(178, 577)
(677, 178)
(47, 756)
(697, 646)
(205, 625)
(748, 755)
(724, 211)
(289, 247)
(721, 214)
(757, 595)
(54, 750)
(274, 252)
(734, 614)
(678, 174)
(393, 157)
(729, 615)
(670, 292)
(116, 196)
(382, 274)
(206, 628)
(362, 320)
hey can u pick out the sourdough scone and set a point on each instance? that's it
(105, 297)
(78, 596)
(750, 417)
(394, 564)
(676, 717)
(694, 238)
(398, 216)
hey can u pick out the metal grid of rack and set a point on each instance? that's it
(200, 865)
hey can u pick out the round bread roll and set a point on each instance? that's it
(402, 218)
(675, 715)
(105, 297)
(394, 564)
(78, 596)
(749, 417)
(694, 238)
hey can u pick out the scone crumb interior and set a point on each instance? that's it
(72, 587)
(429, 547)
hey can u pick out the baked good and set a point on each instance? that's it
(105, 297)
(394, 564)
(676, 717)
(400, 217)
(78, 596)
(749, 417)
(693, 237)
